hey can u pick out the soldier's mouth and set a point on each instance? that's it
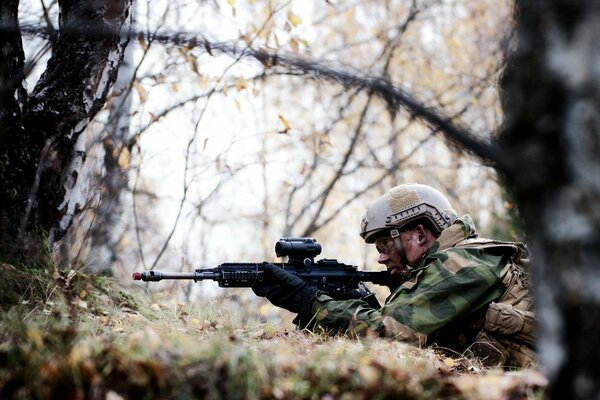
(394, 269)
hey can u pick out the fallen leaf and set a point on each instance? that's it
(286, 124)
(369, 375)
(35, 336)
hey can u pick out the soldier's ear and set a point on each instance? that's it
(422, 234)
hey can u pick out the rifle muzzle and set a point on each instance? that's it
(147, 276)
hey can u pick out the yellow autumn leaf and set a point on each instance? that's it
(237, 104)
(286, 124)
(143, 93)
(293, 18)
(264, 309)
(449, 362)
(294, 45)
(123, 160)
(232, 5)
(35, 336)
(78, 353)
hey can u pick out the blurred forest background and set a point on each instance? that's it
(199, 158)
(177, 135)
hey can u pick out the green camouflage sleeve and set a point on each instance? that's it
(451, 284)
(357, 318)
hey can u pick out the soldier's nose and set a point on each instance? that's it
(382, 258)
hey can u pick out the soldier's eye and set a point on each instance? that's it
(381, 245)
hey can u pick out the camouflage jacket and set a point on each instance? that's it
(448, 292)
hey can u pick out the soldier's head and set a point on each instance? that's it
(404, 223)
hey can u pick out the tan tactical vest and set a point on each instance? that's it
(508, 335)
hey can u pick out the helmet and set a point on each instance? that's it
(403, 204)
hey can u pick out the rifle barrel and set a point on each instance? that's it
(155, 276)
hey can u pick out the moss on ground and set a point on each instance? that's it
(82, 337)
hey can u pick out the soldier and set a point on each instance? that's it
(455, 290)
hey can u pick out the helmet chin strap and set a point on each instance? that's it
(395, 234)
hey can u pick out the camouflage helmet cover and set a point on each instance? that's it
(403, 204)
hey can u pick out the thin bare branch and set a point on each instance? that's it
(395, 96)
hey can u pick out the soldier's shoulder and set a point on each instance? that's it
(455, 259)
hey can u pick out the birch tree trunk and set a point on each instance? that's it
(38, 131)
(114, 176)
(551, 135)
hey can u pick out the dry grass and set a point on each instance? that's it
(89, 338)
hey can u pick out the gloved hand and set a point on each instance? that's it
(285, 290)
(363, 294)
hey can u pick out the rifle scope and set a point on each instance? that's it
(297, 247)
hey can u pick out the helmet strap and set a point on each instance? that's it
(395, 234)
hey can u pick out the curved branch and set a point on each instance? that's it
(396, 97)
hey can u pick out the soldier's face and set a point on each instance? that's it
(397, 259)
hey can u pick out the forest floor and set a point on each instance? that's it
(73, 336)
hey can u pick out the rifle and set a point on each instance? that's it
(340, 281)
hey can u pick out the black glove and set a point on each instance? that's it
(363, 294)
(285, 290)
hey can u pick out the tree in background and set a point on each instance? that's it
(550, 159)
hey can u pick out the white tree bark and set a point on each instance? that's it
(42, 137)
